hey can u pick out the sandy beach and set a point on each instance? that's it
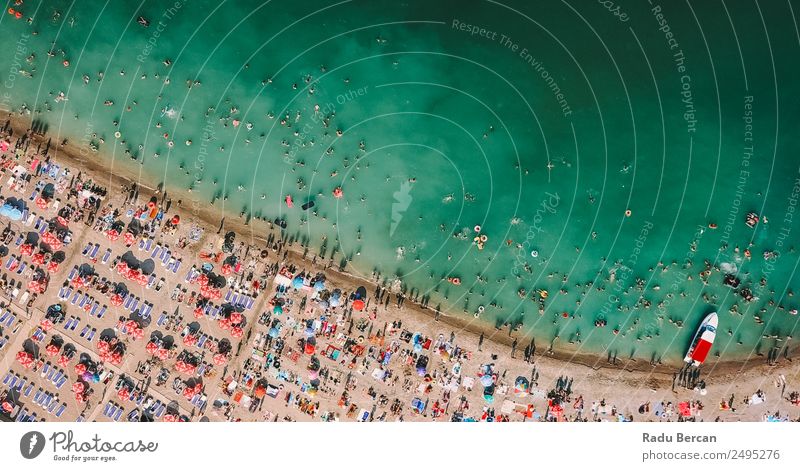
(365, 368)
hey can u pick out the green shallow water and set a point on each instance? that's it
(543, 129)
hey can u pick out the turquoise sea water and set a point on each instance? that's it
(541, 122)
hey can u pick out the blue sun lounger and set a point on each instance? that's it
(106, 256)
(61, 409)
(102, 312)
(93, 253)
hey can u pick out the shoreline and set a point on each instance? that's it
(116, 174)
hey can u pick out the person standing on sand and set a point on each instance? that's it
(513, 348)
(480, 342)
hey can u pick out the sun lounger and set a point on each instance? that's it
(61, 409)
(161, 319)
(84, 331)
(156, 251)
(106, 256)
(177, 266)
(52, 406)
(61, 382)
(165, 256)
(38, 396)
(40, 229)
(12, 382)
(11, 319)
(45, 369)
(86, 249)
(93, 253)
(21, 415)
(91, 334)
(28, 390)
(94, 309)
(72, 273)
(75, 298)
(118, 414)
(4, 316)
(22, 268)
(134, 304)
(102, 312)
(7, 378)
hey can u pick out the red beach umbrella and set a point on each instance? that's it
(52, 267)
(116, 300)
(80, 397)
(7, 407)
(52, 350)
(169, 418)
(63, 360)
(138, 333)
(162, 353)
(123, 394)
(62, 221)
(236, 318)
(188, 393)
(129, 239)
(198, 312)
(38, 258)
(112, 235)
(224, 324)
(24, 357)
(190, 340)
(46, 324)
(102, 346)
(202, 280)
(77, 282)
(237, 332)
(26, 249)
(131, 325)
(358, 305)
(116, 358)
(151, 348)
(226, 269)
(104, 356)
(42, 203)
(78, 387)
(122, 268)
(220, 359)
(80, 369)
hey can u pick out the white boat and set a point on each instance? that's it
(703, 340)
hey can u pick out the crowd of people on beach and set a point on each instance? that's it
(252, 328)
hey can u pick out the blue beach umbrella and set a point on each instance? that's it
(10, 212)
(319, 285)
(297, 283)
(273, 332)
(278, 309)
(336, 298)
